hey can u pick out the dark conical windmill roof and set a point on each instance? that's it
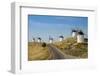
(80, 33)
(33, 38)
(39, 38)
(74, 30)
(61, 36)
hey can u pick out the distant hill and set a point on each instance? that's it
(70, 47)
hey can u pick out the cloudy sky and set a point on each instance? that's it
(44, 26)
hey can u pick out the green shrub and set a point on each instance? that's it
(43, 44)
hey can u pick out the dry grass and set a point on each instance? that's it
(37, 52)
(70, 47)
(65, 44)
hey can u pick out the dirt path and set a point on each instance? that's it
(58, 54)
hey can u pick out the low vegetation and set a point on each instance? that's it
(43, 44)
(37, 51)
(70, 47)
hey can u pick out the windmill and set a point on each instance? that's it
(61, 38)
(80, 36)
(74, 32)
(39, 39)
(33, 39)
(50, 39)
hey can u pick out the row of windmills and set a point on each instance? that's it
(61, 38)
(78, 34)
(38, 39)
(51, 39)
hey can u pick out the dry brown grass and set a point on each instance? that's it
(65, 44)
(37, 52)
(70, 47)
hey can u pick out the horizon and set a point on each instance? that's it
(46, 26)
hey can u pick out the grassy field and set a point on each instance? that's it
(37, 52)
(70, 47)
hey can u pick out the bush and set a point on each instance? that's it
(43, 44)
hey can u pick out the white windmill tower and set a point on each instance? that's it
(39, 39)
(33, 40)
(74, 33)
(50, 39)
(61, 38)
(80, 37)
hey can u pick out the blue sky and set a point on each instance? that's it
(44, 26)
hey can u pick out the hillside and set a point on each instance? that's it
(70, 47)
